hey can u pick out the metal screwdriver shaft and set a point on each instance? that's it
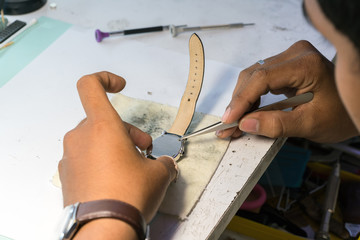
(175, 30)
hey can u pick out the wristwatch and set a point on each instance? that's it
(169, 143)
(78, 214)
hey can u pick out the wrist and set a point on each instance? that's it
(93, 216)
(106, 228)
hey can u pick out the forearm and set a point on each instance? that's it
(107, 229)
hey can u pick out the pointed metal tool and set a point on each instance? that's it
(281, 105)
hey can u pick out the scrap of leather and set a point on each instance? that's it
(202, 154)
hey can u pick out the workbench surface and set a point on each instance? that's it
(40, 103)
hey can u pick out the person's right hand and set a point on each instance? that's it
(100, 160)
(299, 69)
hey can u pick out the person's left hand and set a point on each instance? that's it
(100, 160)
(299, 69)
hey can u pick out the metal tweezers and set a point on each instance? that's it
(281, 105)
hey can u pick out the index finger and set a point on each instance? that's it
(92, 91)
(292, 76)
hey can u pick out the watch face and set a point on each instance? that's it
(68, 224)
(167, 144)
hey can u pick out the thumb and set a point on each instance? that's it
(274, 124)
(170, 165)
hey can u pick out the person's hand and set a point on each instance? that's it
(100, 160)
(299, 69)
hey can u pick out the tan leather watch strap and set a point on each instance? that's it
(108, 208)
(193, 87)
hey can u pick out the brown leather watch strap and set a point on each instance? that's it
(193, 87)
(109, 208)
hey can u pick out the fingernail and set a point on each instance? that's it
(175, 165)
(176, 169)
(249, 125)
(219, 133)
(226, 114)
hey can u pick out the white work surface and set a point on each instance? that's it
(40, 104)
